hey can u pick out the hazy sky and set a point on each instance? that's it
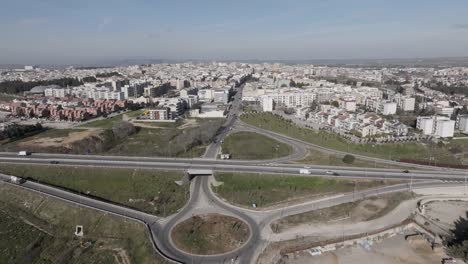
(88, 31)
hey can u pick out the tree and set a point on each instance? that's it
(458, 245)
(348, 159)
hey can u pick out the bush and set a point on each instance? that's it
(348, 159)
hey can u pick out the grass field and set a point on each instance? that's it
(249, 145)
(105, 123)
(332, 141)
(266, 190)
(210, 234)
(42, 230)
(170, 141)
(319, 158)
(358, 211)
(151, 191)
(7, 97)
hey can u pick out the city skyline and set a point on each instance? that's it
(51, 31)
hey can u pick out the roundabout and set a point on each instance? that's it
(210, 234)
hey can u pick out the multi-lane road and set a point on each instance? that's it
(231, 166)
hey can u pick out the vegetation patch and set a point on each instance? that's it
(170, 141)
(326, 139)
(210, 234)
(249, 145)
(265, 190)
(151, 191)
(37, 229)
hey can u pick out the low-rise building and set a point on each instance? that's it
(163, 113)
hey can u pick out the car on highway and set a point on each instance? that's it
(406, 171)
(54, 162)
(330, 172)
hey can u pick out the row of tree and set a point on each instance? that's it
(452, 89)
(17, 87)
(17, 131)
(107, 74)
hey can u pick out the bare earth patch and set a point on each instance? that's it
(354, 212)
(210, 234)
(60, 141)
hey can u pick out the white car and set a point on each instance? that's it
(330, 172)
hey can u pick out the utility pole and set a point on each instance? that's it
(465, 183)
(411, 183)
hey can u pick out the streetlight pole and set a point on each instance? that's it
(465, 183)
(411, 183)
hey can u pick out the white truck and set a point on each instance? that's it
(23, 153)
(304, 171)
(16, 180)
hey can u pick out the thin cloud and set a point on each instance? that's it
(460, 26)
(104, 23)
(32, 21)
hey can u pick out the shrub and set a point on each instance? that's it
(348, 159)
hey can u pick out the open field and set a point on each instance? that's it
(48, 136)
(105, 123)
(268, 190)
(210, 234)
(170, 141)
(151, 191)
(395, 151)
(253, 146)
(42, 230)
(354, 212)
(316, 157)
(164, 140)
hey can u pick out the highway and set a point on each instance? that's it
(236, 167)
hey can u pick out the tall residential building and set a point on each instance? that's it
(221, 96)
(388, 108)
(438, 126)
(462, 123)
(406, 103)
(267, 104)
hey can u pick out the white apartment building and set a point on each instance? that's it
(221, 96)
(448, 111)
(462, 123)
(388, 108)
(267, 104)
(56, 92)
(425, 123)
(205, 95)
(438, 126)
(406, 103)
(444, 128)
(298, 99)
(348, 103)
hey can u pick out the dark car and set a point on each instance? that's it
(406, 171)
(54, 162)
